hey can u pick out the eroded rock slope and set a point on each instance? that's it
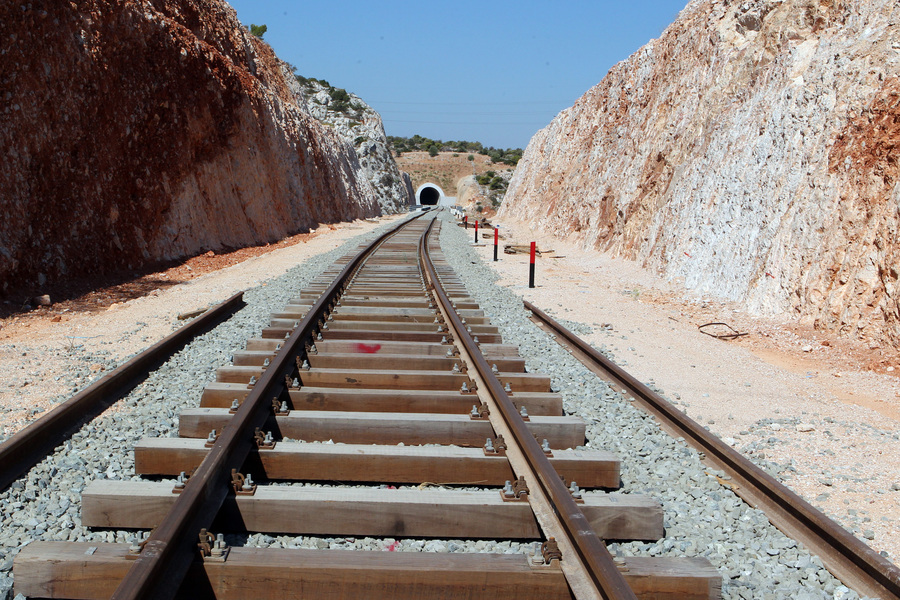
(751, 150)
(133, 131)
(361, 126)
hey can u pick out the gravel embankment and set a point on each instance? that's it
(702, 517)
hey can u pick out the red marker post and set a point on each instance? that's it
(531, 267)
(496, 241)
(476, 231)
(466, 221)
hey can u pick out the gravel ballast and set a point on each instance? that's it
(46, 504)
(702, 517)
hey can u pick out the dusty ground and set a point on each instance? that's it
(48, 353)
(826, 409)
(445, 169)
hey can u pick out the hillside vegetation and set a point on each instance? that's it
(507, 156)
(446, 169)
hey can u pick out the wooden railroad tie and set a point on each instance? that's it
(383, 383)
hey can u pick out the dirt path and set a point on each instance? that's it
(825, 409)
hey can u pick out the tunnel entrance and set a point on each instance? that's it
(429, 194)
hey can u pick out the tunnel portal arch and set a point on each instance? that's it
(429, 194)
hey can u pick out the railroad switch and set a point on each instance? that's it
(495, 446)
(213, 549)
(515, 492)
(243, 486)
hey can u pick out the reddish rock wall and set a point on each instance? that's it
(752, 151)
(135, 131)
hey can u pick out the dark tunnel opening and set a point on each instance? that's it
(430, 196)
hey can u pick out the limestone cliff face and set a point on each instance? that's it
(751, 150)
(138, 130)
(359, 125)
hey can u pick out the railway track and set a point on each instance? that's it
(852, 561)
(403, 392)
(379, 403)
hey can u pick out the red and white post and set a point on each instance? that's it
(531, 266)
(496, 241)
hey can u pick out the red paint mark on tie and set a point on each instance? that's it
(393, 546)
(367, 349)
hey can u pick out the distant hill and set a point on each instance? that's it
(446, 169)
(507, 156)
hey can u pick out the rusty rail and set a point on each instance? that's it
(852, 561)
(170, 550)
(32, 444)
(592, 551)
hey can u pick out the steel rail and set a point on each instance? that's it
(161, 566)
(856, 564)
(32, 444)
(592, 551)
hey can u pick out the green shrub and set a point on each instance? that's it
(258, 30)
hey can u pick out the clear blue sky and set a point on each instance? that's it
(488, 71)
